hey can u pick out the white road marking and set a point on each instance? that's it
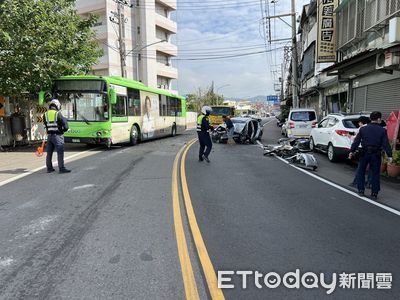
(267, 122)
(6, 261)
(38, 169)
(37, 226)
(392, 210)
(389, 209)
(85, 186)
(90, 169)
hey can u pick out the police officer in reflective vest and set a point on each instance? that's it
(55, 125)
(373, 139)
(203, 126)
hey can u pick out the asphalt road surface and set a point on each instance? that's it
(108, 230)
(258, 214)
(105, 231)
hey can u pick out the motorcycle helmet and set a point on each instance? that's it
(206, 110)
(55, 103)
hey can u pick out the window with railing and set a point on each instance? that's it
(163, 59)
(308, 64)
(350, 22)
(379, 11)
(162, 10)
(163, 82)
(162, 34)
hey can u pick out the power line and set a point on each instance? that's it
(211, 57)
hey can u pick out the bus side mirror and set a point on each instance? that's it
(41, 97)
(113, 96)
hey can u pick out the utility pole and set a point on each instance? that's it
(282, 81)
(293, 38)
(119, 19)
(121, 40)
(294, 57)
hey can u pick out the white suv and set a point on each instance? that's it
(300, 122)
(335, 134)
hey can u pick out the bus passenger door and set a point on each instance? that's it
(120, 127)
(165, 122)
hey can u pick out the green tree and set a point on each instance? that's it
(41, 40)
(195, 101)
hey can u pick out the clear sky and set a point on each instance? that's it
(220, 28)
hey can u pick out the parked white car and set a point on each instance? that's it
(335, 134)
(300, 122)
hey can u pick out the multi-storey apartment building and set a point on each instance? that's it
(147, 29)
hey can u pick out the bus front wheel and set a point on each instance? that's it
(108, 144)
(134, 135)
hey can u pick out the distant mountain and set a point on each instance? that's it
(259, 98)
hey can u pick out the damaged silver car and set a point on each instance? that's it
(247, 130)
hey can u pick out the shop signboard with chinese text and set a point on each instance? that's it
(326, 43)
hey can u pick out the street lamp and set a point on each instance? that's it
(221, 87)
(136, 54)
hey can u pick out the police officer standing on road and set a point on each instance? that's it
(203, 126)
(56, 125)
(373, 139)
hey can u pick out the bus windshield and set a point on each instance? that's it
(84, 106)
(220, 111)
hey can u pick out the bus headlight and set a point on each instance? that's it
(98, 133)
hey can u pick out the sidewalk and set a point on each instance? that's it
(21, 161)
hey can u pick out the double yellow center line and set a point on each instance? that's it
(189, 280)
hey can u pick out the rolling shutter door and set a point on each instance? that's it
(359, 99)
(384, 97)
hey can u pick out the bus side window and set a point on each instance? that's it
(133, 102)
(178, 108)
(119, 109)
(163, 105)
(171, 106)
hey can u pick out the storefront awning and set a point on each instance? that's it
(350, 61)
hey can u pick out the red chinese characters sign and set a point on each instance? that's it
(326, 43)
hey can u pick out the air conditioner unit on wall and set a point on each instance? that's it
(394, 30)
(387, 60)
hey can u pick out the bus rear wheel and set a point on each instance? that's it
(134, 136)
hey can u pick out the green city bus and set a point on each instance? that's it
(114, 110)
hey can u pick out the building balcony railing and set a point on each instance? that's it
(167, 48)
(88, 6)
(101, 32)
(167, 71)
(168, 3)
(166, 23)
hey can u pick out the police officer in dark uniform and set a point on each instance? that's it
(203, 126)
(373, 139)
(56, 125)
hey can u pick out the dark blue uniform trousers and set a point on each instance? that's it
(55, 141)
(374, 162)
(205, 141)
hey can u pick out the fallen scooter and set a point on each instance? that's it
(293, 151)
